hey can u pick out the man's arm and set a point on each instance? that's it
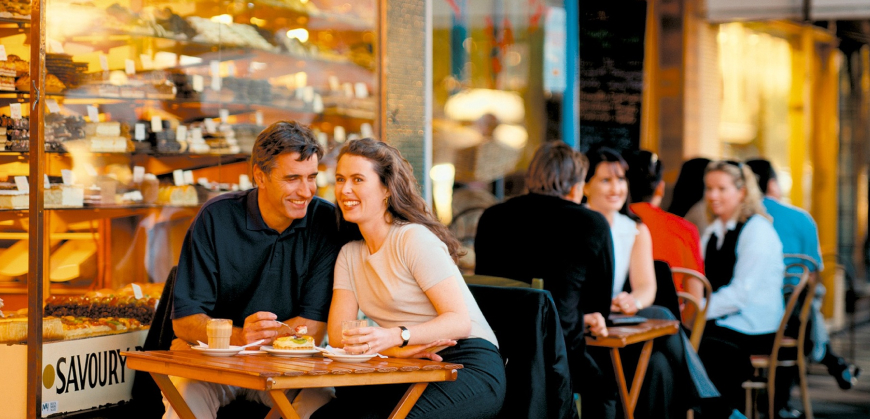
(260, 325)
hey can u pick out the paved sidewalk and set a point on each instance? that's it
(829, 401)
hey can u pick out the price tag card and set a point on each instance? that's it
(178, 177)
(188, 177)
(365, 129)
(317, 104)
(104, 62)
(69, 178)
(181, 133)
(308, 94)
(53, 107)
(258, 117)
(301, 79)
(334, 85)
(139, 135)
(2, 53)
(348, 89)
(15, 110)
(323, 140)
(209, 125)
(156, 124)
(225, 116)
(339, 134)
(147, 62)
(89, 168)
(361, 90)
(45, 182)
(93, 113)
(245, 182)
(198, 83)
(55, 46)
(215, 73)
(137, 291)
(231, 69)
(138, 174)
(203, 181)
(21, 183)
(130, 66)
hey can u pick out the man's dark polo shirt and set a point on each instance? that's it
(233, 265)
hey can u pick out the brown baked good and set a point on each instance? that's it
(53, 84)
(13, 328)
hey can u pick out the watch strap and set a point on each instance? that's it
(404, 340)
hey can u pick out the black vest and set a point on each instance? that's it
(719, 263)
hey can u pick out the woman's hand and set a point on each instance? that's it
(596, 324)
(370, 340)
(624, 303)
(426, 351)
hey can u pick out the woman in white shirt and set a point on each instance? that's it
(606, 192)
(743, 261)
(400, 270)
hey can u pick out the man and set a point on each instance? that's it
(258, 257)
(799, 235)
(547, 234)
(674, 240)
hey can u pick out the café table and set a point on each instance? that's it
(275, 375)
(622, 336)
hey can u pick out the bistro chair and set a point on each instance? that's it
(497, 281)
(526, 323)
(699, 320)
(777, 359)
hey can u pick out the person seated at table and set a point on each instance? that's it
(256, 257)
(669, 378)
(401, 272)
(674, 240)
(744, 263)
(525, 238)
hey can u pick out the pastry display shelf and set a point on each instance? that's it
(95, 212)
(20, 22)
(157, 163)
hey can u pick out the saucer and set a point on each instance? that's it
(232, 350)
(344, 357)
(285, 353)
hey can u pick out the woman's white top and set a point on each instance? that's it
(752, 302)
(624, 232)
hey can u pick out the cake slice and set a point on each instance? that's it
(294, 343)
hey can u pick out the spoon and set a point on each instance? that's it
(259, 342)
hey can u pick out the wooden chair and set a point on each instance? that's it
(770, 363)
(699, 322)
(497, 281)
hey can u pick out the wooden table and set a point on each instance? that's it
(622, 336)
(274, 375)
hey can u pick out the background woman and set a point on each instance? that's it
(688, 196)
(606, 191)
(743, 261)
(401, 272)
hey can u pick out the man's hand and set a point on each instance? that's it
(595, 323)
(260, 325)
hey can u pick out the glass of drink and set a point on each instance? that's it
(219, 332)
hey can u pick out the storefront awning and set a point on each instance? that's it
(731, 10)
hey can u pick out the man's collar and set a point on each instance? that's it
(255, 221)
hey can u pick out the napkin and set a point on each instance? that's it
(339, 351)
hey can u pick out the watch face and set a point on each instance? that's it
(406, 334)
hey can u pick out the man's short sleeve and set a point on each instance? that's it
(196, 278)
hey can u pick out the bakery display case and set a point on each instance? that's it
(147, 110)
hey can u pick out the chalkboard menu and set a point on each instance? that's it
(611, 73)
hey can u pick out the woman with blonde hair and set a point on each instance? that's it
(743, 261)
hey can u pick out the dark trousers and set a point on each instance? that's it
(478, 391)
(725, 353)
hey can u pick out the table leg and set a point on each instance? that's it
(281, 406)
(173, 396)
(621, 384)
(408, 400)
(639, 373)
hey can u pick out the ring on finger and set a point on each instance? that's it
(368, 347)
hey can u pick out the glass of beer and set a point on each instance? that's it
(219, 332)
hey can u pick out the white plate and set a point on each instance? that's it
(289, 353)
(232, 350)
(349, 358)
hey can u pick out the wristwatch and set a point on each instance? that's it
(406, 336)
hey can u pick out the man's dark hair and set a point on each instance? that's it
(555, 169)
(280, 138)
(644, 174)
(763, 172)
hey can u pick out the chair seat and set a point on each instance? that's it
(755, 385)
(763, 361)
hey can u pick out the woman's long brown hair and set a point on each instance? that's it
(405, 204)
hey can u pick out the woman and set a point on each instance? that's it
(401, 272)
(743, 261)
(688, 198)
(606, 192)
